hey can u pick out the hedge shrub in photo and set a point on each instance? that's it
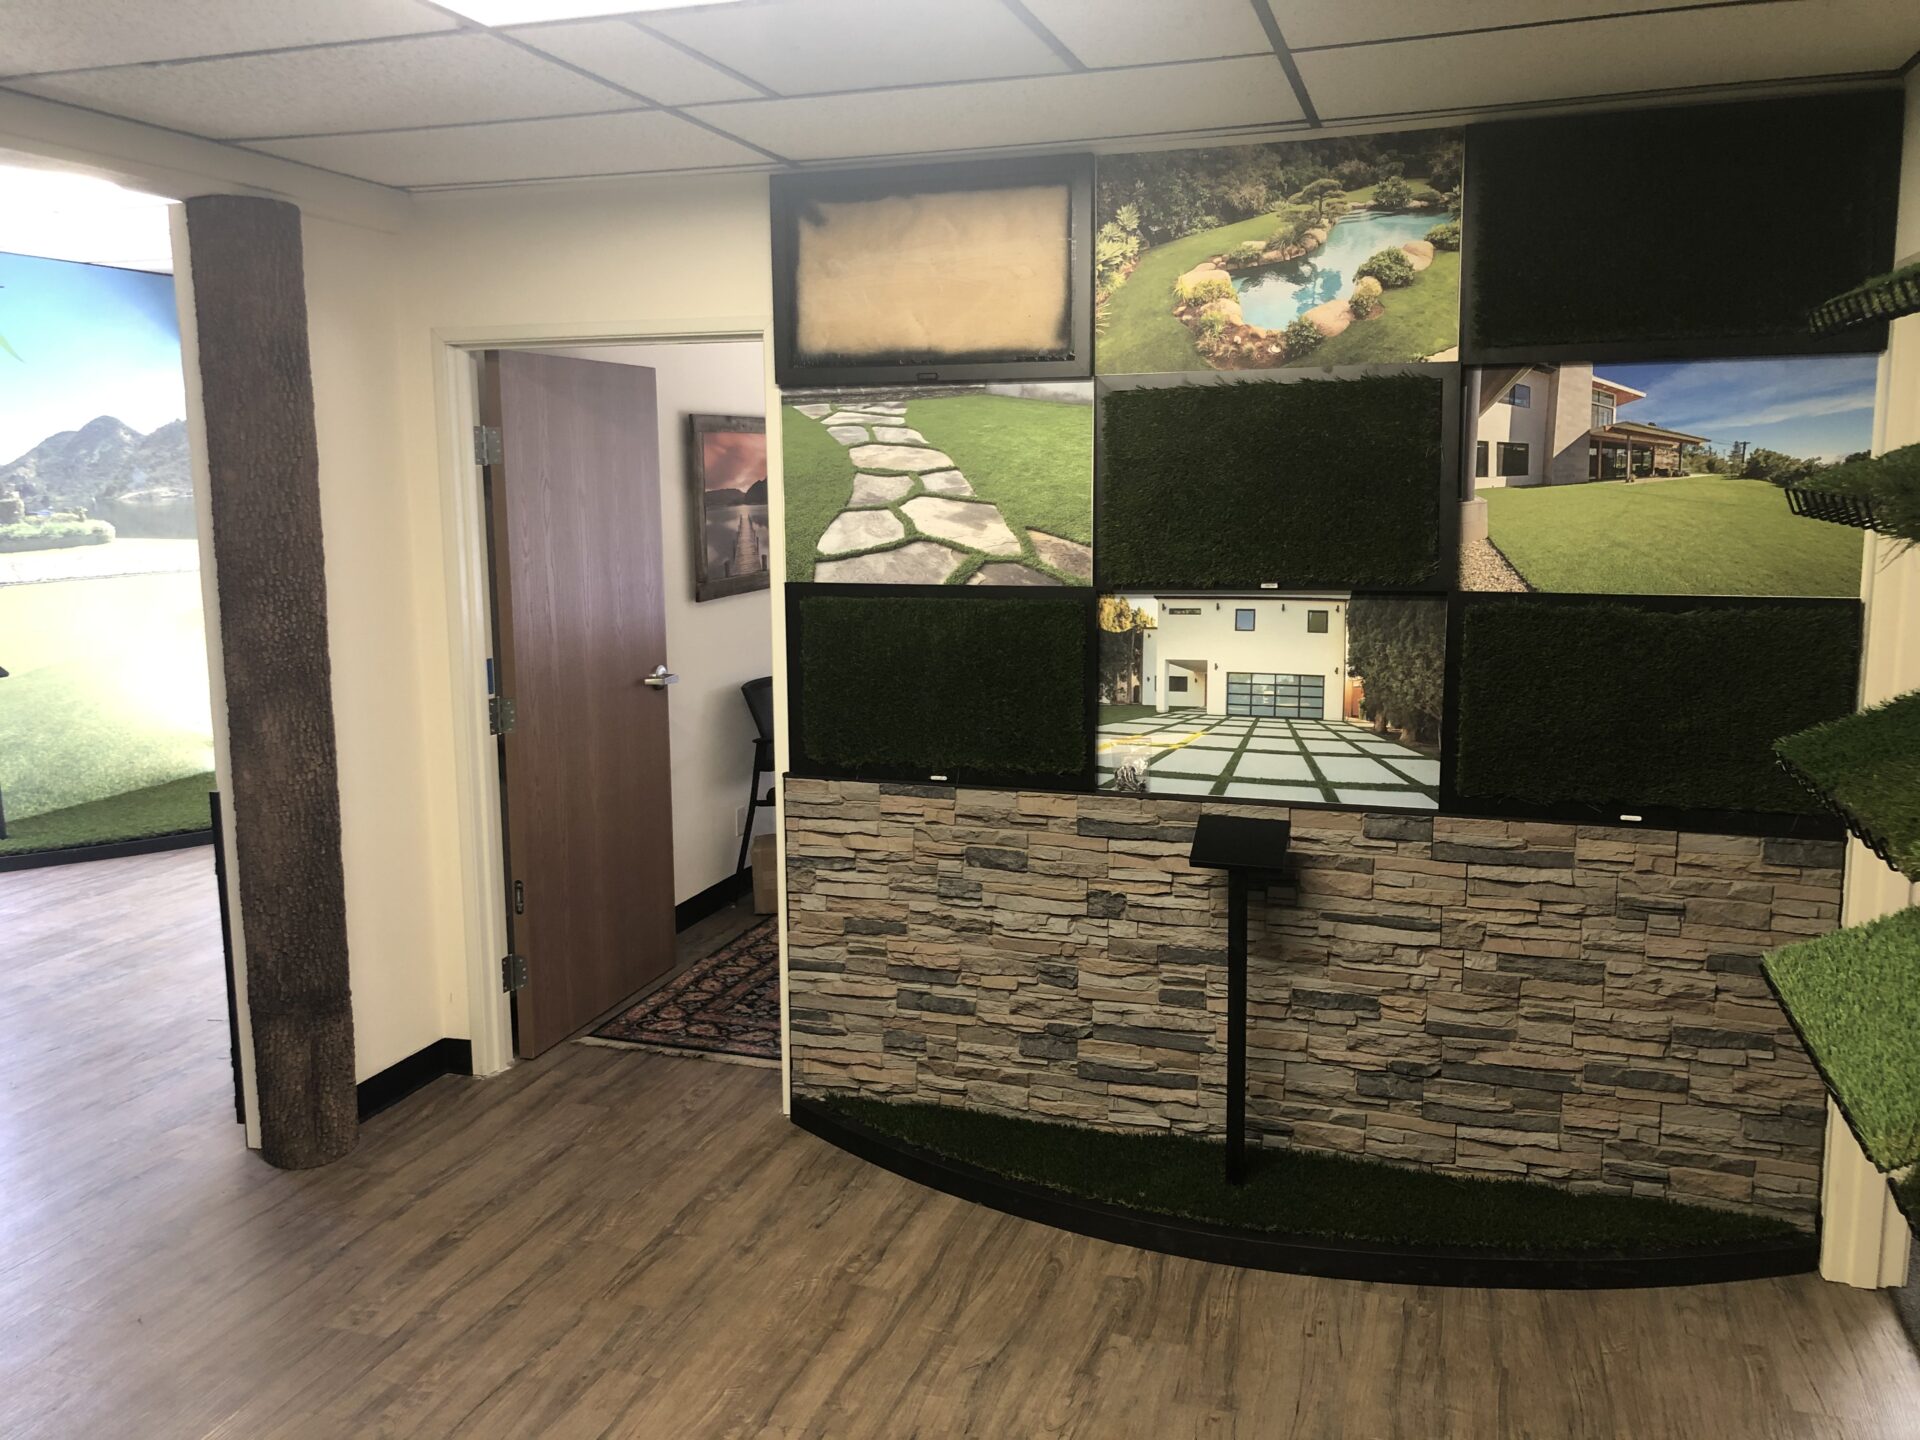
(1334, 483)
(945, 685)
(1625, 705)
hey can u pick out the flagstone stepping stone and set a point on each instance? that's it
(1066, 556)
(916, 458)
(898, 435)
(972, 523)
(1002, 572)
(880, 489)
(946, 482)
(920, 563)
(861, 530)
(848, 435)
(860, 417)
(815, 412)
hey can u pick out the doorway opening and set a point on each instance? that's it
(627, 546)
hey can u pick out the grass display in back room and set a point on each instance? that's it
(1236, 484)
(943, 685)
(1627, 705)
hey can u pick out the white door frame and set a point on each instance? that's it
(470, 634)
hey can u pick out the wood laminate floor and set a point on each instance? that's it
(609, 1243)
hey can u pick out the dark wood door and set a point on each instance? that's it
(573, 507)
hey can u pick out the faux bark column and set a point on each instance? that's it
(256, 385)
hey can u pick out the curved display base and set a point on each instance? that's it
(1301, 1254)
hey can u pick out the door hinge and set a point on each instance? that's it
(501, 716)
(513, 973)
(487, 448)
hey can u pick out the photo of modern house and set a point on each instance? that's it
(1311, 697)
(1658, 478)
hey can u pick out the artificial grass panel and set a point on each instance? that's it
(1696, 535)
(1623, 705)
(1296, 1192)
(1551, 269)
(1032, 458)
(1332, 483)
(1855, 997)
(174, 808)
(1416, 321)
(817, 484)
(1867, 768)
(945, 685)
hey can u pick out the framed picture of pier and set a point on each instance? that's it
(727, 479)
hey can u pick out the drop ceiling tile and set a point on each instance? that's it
(440, 80)
(1637, 53)
(640, 140)
(68, 34)
(629, 56)
(1142, 32)
(806, 46)
(1341, 22)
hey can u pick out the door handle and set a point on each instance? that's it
(661, 678)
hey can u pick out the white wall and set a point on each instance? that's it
(1279, 643)
(715, 646)
(1504, 422)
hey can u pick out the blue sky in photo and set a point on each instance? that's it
(1815, 405)
(91, 341)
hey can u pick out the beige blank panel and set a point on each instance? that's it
(952, 273)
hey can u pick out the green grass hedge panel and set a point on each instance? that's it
(1557, 257)
(1867, 768)
(945, 685)
(1618, 704)
(1855, 996)
(1296, 1192)
(1315, 482)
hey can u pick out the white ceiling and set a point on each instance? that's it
(404, 93)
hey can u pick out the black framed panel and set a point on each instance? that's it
(1578, 246)
(1170, 514)
(986, 686)
(1641, 710)
(795, 200)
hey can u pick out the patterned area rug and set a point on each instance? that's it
(727, 1005)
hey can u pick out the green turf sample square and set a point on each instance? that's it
(1867, 768)
(1232, 485)
(1629, 704)
(944, 685)
(1855, 996)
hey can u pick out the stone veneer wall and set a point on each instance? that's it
(1580, 1005)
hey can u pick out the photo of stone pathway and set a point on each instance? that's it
(1328, 762)
(913, 516)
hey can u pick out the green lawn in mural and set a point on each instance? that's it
(1031, 458)
(1693, 535)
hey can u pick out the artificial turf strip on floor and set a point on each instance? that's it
(1618, 704)
(1694, 535)
(944, 685)
(175, 808)
(1854, 996)
(1333, 483)
(1544, 274)
(1296, 1192)
(1867, 768)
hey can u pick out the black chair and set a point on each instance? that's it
(759, 696)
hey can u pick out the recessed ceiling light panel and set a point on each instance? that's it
(528, 12)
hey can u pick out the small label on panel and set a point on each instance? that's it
(1269, 584)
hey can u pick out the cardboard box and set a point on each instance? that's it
(765, 860)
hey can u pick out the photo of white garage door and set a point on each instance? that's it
(1277, 697)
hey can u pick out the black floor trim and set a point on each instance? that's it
(712, 900)
(112, 850)
(1306, 1255)
(423, 1067)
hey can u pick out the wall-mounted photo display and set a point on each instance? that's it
(934, 273)
(727, 477)
(1604, 236)
(1659, 479)
(1307, 252)
(1604, 709)
(1302, 697)
(1335, 480)
(905, 684)
(986, 484)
